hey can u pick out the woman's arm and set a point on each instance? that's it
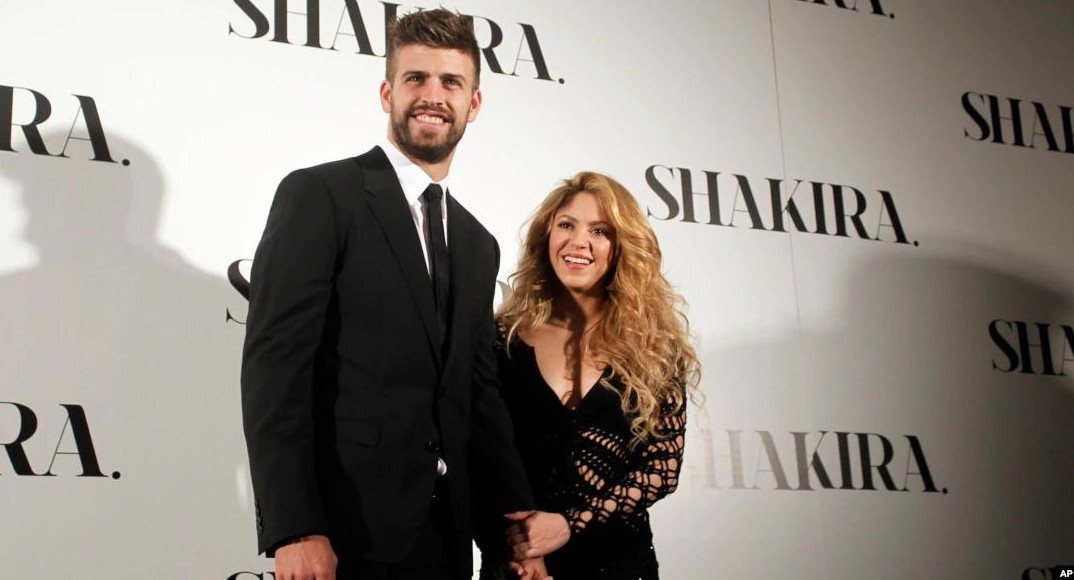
(656, 476)
(541, 533)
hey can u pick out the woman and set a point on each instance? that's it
(595, 366)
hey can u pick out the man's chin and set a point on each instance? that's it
(430, 139)
(430, 150)
(428, 154)
(429, 146)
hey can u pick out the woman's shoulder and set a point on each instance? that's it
(506, 342)
(509, 335)
(501, 334)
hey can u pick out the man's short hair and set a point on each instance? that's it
(437, 28)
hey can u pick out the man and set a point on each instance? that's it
(368, 377)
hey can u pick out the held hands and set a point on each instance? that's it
(530, 569)
(536, 534)
(306, 558)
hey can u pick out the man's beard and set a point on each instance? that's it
(429, 152)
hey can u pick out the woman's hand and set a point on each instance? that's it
(531, 569)
(536, 533)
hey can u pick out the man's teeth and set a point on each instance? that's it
(430, 119)
(575, 260)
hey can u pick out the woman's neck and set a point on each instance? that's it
(576, 312)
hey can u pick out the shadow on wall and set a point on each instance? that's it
(903, 349)
(921, 354)
(122, 326)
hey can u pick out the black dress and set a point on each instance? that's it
(580, 464)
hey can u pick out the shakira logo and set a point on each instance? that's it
(809, 207)
(74, 439)
(1040, 348)
(503, 47)
(804, 461)
(873, 7)
(240, 283)
(1019, 123)
(28, 109)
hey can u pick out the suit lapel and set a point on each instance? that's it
(388, 204)
(463, 277)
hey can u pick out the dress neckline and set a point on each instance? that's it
(548, 388)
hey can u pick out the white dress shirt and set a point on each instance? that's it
(414, 180)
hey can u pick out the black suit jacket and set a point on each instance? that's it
(348, 391)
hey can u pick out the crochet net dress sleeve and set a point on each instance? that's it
(655, 474)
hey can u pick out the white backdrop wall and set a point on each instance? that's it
(887, 353)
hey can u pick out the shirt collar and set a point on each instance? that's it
(412, 178)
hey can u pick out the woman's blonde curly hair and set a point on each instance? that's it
(642, 334)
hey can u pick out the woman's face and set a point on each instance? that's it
(580, 245)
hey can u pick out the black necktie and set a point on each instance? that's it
(438, 254)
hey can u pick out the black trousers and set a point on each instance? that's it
(432, 557)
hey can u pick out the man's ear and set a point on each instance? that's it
(386, 96)
(475, 106)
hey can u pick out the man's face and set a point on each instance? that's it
(431, 98)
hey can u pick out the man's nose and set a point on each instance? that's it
(432, 93)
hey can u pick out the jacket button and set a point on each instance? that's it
(431, 445)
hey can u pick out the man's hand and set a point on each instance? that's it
(530, 569)
(307, 558)
(536, 533)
